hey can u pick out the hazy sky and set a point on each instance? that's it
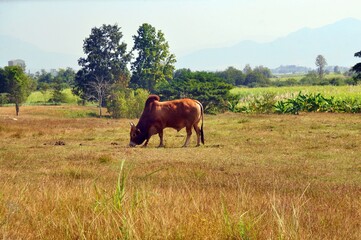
(61, 26)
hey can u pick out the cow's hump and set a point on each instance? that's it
(151, 99)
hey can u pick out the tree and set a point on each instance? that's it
(57, 85)
(16, 84)
(2, 80)
(233, 76)
(126, 102)
(206, 87)
(100, 87)
(256, 79)
(154, 62)
(66, 76)
(321, 64)
(3, 94)
(247, 69)
(105, 62)
(357, 68)
(266, 72)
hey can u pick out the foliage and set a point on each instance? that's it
(206, 87)
(287, 82)
(44, 97)
(301, 103)
(57, 86)
(16, 84)
(66, 76)
(357, 68)
(288, 101)
(154, 62)
(232, 76)
(256, 79)
(126, 103)
(45, 79)
(321, 64)
(260, 104)
(4, 98)
(105, 62)
(317, 103)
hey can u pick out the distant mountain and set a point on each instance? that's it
(337, 42)
(293, 69)
(34, 57)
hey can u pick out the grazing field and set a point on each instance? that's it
(64, 175)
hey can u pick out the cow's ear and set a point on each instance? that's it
(138, 131)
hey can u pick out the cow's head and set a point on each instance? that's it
(136, 136)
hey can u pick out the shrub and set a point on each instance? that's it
(126, 103)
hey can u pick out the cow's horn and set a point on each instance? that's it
(131, 124)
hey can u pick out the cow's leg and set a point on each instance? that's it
(198, 132)
(189, 134)
(161, 144)
(146, 143)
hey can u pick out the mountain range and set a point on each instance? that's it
(35, 58)
(337, 42)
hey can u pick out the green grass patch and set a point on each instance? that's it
(43, 98)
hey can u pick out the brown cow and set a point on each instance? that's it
(158, 115)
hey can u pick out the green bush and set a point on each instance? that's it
(126, 103)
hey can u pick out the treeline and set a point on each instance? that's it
(105, 77)
(55, 81)
(211, 88)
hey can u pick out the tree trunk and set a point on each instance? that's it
(100, 107)
(17, 108)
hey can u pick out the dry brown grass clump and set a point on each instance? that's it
(257, 177)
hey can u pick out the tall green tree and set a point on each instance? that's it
(105, 63)
(16, 84)
(232, 76)
(357, 68)
(154, 63)
(66, 76)
(211, 90)
(321, 64)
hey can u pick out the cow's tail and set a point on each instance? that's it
(202, 113)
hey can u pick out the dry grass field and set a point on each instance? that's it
(67, 176)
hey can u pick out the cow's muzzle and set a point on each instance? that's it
(132, 144)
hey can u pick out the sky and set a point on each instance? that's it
(61, 26)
